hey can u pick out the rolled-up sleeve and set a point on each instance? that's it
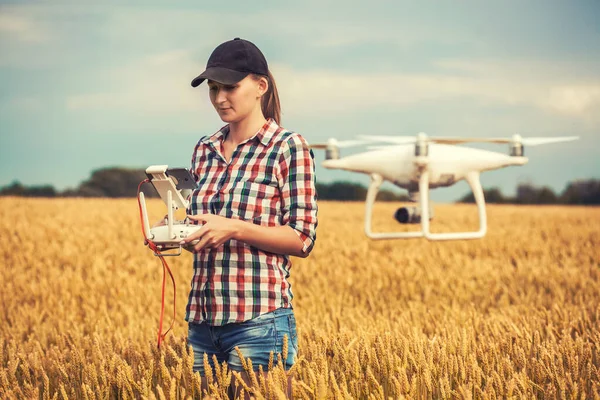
(298, 191)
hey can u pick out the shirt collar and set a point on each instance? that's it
(264, 134)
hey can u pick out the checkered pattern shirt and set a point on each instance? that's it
(269, 181)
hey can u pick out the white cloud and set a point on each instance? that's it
(318, 91)
(152, 94)
(162, 28)
(578, 101)
(22, 27)
(400, 35)
(157, 84)
(38, 36)
(560, 87)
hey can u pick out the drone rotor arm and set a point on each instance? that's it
(389, 139)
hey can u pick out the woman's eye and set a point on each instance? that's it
(229, 87)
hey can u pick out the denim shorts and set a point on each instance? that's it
(256, 339)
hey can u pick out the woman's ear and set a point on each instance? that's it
(263, 86)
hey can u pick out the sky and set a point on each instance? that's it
(86, 85)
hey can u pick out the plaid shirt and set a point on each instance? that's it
(269, 181)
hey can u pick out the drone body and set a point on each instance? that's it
(446, 164)
(419, 164)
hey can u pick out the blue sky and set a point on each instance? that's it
(85, 85)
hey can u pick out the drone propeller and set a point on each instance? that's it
(339, 144)
(390, 139)
(332, 147)
(533, 141)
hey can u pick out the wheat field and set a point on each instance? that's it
(513, 315)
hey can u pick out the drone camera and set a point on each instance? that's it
(410, 215)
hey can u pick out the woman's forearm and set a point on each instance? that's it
(275, 239)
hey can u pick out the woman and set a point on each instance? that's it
(256, 202)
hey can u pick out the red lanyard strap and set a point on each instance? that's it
(152, 246)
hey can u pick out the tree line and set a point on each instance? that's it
(118, 182)
(581, 192)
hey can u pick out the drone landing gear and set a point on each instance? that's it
(472, 178)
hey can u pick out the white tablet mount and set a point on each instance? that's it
(174, 187)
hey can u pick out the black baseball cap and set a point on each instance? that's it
(232, 61)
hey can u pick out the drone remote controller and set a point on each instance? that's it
(166, 240)
(174, 187)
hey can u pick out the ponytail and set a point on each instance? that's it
(270, 105)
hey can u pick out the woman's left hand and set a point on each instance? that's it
(215, 231)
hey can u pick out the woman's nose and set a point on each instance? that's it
(220, 97)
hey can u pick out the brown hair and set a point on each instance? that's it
(270, 105)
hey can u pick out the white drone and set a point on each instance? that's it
(420, 163)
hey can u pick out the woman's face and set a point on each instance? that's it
(235, 102)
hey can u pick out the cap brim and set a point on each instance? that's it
(221, 75)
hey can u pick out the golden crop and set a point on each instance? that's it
(514, 315)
